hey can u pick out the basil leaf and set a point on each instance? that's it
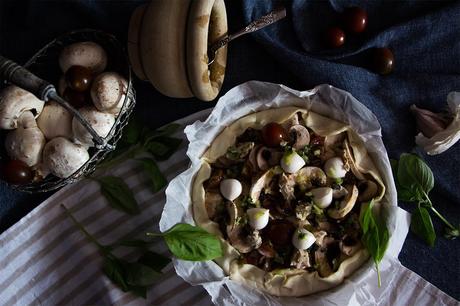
(153, 260)
(131, 132)
(118, 194)
(192, 243)
(113, 269)
(422, 226)
(156, 177)
(163, 147)
(414, 174)
(140, 275)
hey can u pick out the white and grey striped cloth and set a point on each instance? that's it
(45, 260)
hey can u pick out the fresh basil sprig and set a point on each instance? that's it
(375, 235)
(190, 242)
(185, 241)
(414, 180)
(118, 194)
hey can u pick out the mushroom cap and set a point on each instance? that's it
(87, 54)
(55, 121)
(300, 135)
(346, 205)
(63, 157)
(14, 101)
(101, 122)
(26, 142)
(108, 92)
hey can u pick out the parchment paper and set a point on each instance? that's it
(358, 289)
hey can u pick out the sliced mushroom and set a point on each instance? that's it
(26, 143)
(253, 157)
(262, 182)
(236, 233)
(102, 123)
(350, 161)
(55, 121)
(300, 136)
(323, 267)
(63, 157)
(267, 157)
(14, 101)
(300, 259)
(339, 192)
(320, 235)
(286, 184)
(214, 204)
(368, 190)
(308, 177)
(302, 211)
(346, 205)
(349, 245)
(267, 250)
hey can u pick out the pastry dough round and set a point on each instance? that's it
(287, 282)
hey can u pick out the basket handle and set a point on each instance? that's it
(25, 79)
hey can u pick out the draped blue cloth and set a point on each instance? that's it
(425, 40)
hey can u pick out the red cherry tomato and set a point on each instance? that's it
(78, 78)
(76, 98)
(16, 172)
(354, 19)
(273, 134)
(334, 37)
(383, 60)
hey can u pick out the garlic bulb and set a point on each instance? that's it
(258, 217)
(303, 239)
(436, 135)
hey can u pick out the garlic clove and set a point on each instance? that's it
(303, 239)
(292, 162)
(322, 197)
(335, 168)
(428, 123)
(230, 189)
(258, 217)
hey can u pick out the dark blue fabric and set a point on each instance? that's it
(425, 39)
(423, 35)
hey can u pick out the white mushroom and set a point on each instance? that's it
(14, 101)
(55, 121)
(322, 197)
(292, 162)
(258, 217)
(308, 177)
(346, 205)
(101, 122)
(26, 142)
(230, 189)
(108, 92)
(303, 239)
(63, 157)
(300, 135)
(87, 54)
(62, 85)
(335, 168)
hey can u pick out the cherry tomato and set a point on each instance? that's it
(78, 78)
(382, 60)
(76, 98)
(334, 37)
(354, 19)
(280, 232)
(273, 134)
(16, 172)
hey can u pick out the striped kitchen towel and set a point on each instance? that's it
(45, 260)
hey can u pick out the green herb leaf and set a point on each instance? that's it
(414, 175)
(163, 147)
(138, 274)
(153, 260)
(422, 226)
(192, 243)
(156, 177)
(118, 194)
(113, 269)
(375, 235)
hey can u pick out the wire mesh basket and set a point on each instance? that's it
(45, 65)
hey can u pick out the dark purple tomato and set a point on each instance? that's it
(76, 98)
(382, 60)
(273, 134)
(334, 37)
(354, 19)
(78, 78)
(16, 172)
(280, 232)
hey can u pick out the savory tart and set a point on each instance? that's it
(283, 189)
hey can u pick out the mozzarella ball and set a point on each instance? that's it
(292, 162)
(230, 189)
(334, 168)
(258, 217)
(303, 239)
(322, 197)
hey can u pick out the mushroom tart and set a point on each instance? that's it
(283, 189)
